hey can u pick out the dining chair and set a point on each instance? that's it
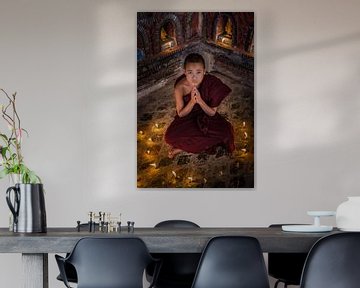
(285, 267)
(333, 262)
(232, 262)
(108, 263)
(69, 269)
(178, 269)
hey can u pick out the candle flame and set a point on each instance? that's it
(174, 173)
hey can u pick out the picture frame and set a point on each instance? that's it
(224, 157)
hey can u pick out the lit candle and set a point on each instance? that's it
(244, 123)
(150, 139)
(141, 132)
(174, 173)
(156, 125)
(148, 151)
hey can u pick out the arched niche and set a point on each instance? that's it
(168, 35)
(225, 30)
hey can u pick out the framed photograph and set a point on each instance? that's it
(195, 99)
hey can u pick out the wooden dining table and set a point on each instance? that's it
(35, 247)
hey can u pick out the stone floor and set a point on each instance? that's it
(220, 170)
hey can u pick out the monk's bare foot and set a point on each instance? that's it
(173, 152)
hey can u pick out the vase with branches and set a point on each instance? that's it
(11, 158)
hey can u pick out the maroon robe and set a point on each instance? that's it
(197, 132)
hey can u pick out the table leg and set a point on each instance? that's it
(35, 270)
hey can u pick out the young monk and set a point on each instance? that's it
(198, 127)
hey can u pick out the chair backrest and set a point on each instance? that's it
(232, 262)
(176, 224)
(110, 262)
(178, 269)
(333, 262)
(287, 267)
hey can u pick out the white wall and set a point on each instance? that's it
(73, 64)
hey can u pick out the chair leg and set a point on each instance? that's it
(279, 281)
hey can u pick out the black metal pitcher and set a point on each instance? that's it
(28, 207)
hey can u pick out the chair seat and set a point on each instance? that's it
(177, 270)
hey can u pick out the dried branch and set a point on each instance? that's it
(10, 153)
